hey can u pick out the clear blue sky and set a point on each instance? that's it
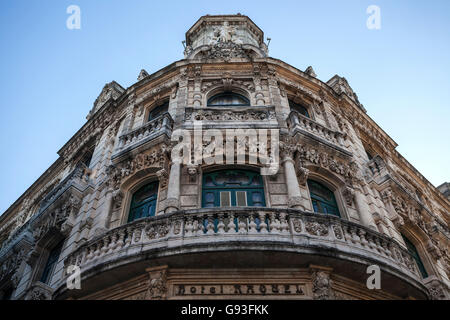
(50, 76)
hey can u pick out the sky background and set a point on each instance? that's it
(50, 76)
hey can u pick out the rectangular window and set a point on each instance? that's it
(225, 199)
(51, 263)
(241, 198)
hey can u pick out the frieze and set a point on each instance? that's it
(208, 85)
(225, 51)
(229, 115)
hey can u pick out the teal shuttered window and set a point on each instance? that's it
(143, 203)
(232, 188)
(51, 263)
(415, 254)
(323, 199)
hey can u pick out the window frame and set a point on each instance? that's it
(293, 106)
(162, 104)
(249, 189)
(146, 202)
(47, 271)
(412, 249)
(316, 198)
(228, 93)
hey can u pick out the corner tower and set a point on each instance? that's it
(225, 36)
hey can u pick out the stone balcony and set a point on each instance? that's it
(308, 127)
(159, 126)
(232, 117)
(272, 232)
(76, 182)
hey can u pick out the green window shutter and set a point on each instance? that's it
(415, 254)
(51, 263)
(235, 188)
(143, 203)
(323, 199)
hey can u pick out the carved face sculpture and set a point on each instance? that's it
(192, 171)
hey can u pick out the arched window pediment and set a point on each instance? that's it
(228, 99)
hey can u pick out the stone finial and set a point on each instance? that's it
(143, 74)
(310, 71)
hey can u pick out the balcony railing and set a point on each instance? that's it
(150, 130)
(212, 229)
(297, 121)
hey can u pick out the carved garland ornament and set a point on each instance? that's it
(228, 115)
(322, 285)
(157, 286)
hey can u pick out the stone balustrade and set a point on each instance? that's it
(297, 121)
(153, 128)
(294, 230)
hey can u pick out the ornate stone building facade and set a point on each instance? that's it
(141, 224)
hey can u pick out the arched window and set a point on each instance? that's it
(158, 110)
(232, 188)
(323, 199)
(415, 254)
(225, 99)
(299, 108)
(50, 264)
(143, 203)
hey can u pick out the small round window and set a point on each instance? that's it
(226, 99)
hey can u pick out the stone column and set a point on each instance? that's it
(365, 215)
(293, 188)
(102, 225)
(173, 191)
